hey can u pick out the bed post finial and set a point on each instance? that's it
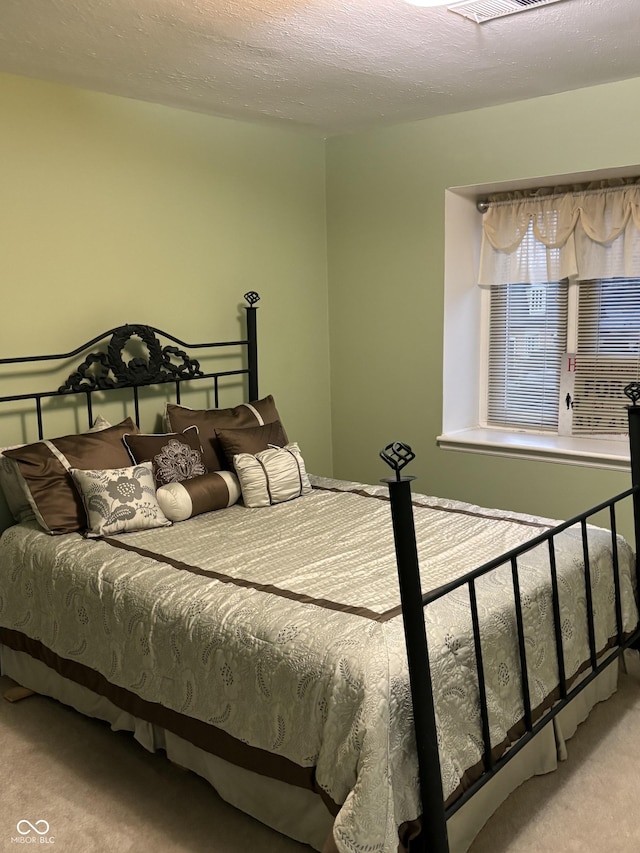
(632, 391)
(252, 342)
(434, 824)
(252, 297)
(397, 455)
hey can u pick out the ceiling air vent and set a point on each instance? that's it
(481, 11)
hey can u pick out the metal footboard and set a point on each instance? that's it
(435, 814)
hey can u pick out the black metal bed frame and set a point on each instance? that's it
(106, 369)
(433, 835)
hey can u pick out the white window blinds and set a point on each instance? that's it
(607, 356)
(527, 343)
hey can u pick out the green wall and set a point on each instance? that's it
(385, 203)
(117, 211)
(121, 211)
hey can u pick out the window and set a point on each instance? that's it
(542, 321)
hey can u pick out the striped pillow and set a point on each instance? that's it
(272, 476)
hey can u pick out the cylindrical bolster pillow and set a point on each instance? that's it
(215, 490)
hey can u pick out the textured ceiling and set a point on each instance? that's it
(324, 66)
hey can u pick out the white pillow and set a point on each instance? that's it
(272, 476)
(215, 490)
(99, 424)
(119, 500)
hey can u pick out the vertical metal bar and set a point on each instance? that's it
(526, 698)
(482, 686)
(89, 409)
(252, 351)
(216, 395)
(136, 404)
(616, 573)
(39, 417)
(589, 594)
(557, 624)
(634, 444)
(178, 392)
(434, 825)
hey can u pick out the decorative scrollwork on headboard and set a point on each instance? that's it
(104, 370)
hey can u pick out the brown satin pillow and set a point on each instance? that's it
(250, 440)
(12, 482)
(175, 456)
(252, 414)
(57, 505)
(14, 488)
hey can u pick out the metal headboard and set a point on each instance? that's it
(105, 369)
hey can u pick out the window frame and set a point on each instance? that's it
(465, 346)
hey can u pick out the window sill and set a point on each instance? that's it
(612, 454)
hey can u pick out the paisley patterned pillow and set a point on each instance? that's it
(119, 500)
(175, 456)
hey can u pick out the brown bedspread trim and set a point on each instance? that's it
(396, 611)
(519, 729)
(219, 743)
(439, 508)
(328, 604)
(261, 587)
(200, 734)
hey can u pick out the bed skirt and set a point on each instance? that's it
(296, 812)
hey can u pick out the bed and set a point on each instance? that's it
(198, 587)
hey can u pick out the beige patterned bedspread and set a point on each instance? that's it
(280, 626)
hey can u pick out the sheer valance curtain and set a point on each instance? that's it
(585, 233)
(559, 357)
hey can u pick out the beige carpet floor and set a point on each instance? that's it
(100, 791)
